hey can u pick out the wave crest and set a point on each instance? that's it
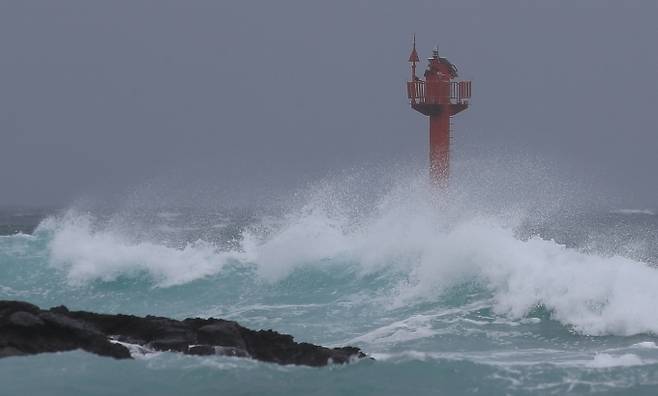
(434, 244)
(89, 254)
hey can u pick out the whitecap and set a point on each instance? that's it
(605, 360)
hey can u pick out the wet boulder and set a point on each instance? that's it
(26, 329)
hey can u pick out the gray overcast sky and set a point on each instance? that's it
(102, 96)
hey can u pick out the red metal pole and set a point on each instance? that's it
(440, 148)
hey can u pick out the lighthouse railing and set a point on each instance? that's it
(417, 91)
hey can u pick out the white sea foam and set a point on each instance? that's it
(604, 360)
(645, 345)
(522, 357)
(419, 326)
(88, 254)
(18, 235)
(436, 243)
(415, 327)
(595, 294)
(137, 351)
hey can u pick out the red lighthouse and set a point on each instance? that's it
(440, 97)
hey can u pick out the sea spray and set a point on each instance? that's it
(432, 246)
(497, 281)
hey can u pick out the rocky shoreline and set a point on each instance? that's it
(25, 329)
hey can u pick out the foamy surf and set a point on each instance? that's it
(86, 254)
(424, 283)
(592, 293)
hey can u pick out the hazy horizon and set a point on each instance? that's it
(234, 99)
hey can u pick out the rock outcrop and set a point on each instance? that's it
(26, 329)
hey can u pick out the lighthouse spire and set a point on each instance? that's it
(413, 58)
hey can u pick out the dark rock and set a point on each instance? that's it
(201, 350)
(110, 349)
(223, 333)
(60, 309)
(129, 340)
(25, 319)
(231, 351)
(67, 323)
(174, 343)
(26, 329)
(7, 307)
(10, 351)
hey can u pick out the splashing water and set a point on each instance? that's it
(514, 288)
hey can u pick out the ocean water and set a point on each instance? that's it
(491, 288)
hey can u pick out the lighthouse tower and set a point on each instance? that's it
(439, 97)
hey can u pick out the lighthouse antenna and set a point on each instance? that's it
(413, 58)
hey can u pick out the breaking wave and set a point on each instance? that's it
(88, 254)
(429, 246)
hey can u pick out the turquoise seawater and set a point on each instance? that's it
(448, 298)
